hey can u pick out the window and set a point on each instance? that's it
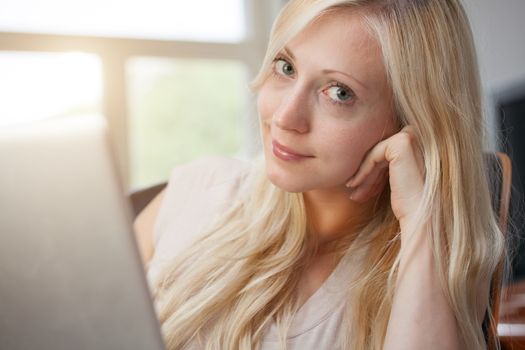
(203, 20)
(152, 68)
(180, 110)
(41, 85)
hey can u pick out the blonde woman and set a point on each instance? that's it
(368, 224)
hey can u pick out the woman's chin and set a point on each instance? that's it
(285, 183)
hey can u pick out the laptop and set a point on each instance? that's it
(70, 272)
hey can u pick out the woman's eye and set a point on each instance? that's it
(284, 68)
(339, 94)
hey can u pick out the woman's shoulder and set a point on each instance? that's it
(197, 193)
(207, 172)
(199, 186)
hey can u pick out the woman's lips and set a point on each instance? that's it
(286, 153)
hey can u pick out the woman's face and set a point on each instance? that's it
(325, 103)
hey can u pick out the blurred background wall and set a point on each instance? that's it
(499, 32)
(499, 29)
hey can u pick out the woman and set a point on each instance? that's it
(371, 225)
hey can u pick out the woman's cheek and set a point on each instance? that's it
(265, 103)
(353, 145)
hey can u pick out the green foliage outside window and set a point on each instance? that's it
(181, 110)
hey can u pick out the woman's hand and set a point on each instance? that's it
(421, 316)
(398, 160)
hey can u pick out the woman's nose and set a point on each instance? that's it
(293, 112)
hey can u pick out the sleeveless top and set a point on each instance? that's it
(200, 191)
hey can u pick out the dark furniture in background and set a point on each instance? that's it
(510, 108)
(140, 198)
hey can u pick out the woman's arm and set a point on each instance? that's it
(144, 225)
(421, 317)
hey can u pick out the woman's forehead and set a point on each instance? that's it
(342, 41)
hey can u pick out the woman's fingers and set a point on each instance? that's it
(370, 188)
(374, 160)
(398, 160)
(371, 177)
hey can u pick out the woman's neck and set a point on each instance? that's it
(333, 215)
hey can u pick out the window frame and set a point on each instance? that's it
(114, 52)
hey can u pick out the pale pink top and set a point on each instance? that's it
(200, 191)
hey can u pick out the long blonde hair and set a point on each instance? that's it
(242, 275)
